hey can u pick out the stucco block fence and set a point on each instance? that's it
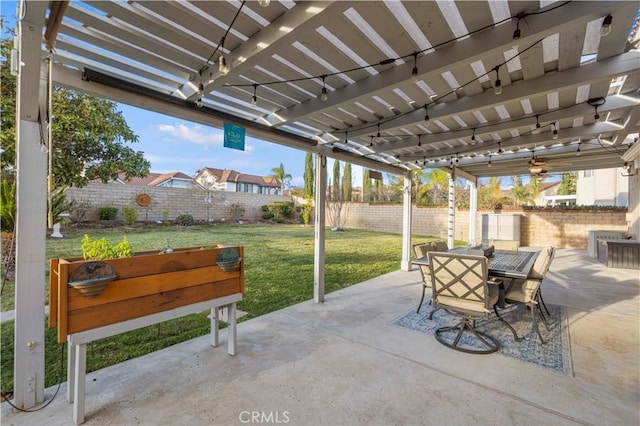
(175, 201)
(560, 228)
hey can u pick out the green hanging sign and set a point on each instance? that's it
(234, 136)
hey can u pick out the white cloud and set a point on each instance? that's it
(194, 133)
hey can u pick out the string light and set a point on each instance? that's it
(555, 131)
(264, 3)
(254, 98)
(605, 29)
(414, 71)
(419, 140)
(323, 95)
(499, 148)
(222, 65)
(537, 121)
(378, 134)
(516, 32)
(497, 87)
(473, 137)
(426, 114)
(578, 150)
(371, 143)
(489, 164)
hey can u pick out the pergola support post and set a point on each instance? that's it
(405, 264)
(451, 228)
(31, 217)
(319, 223)
(473, 212)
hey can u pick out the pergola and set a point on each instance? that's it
(482, 88)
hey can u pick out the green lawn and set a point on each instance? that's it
(278, 273)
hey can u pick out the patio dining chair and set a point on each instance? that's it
(509, 245)
(421, 250)
(440, 245)
(461, 285)
(529, 292)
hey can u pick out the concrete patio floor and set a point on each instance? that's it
(342, 362)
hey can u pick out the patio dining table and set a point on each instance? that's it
(502, 264)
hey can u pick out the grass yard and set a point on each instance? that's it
(278, 273)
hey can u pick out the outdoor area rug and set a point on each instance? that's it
(555, 354)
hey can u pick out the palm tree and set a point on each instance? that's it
(279, 174)
(495, 183)
(521, 193)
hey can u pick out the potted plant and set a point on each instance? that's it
(228, 259)
(93, 277)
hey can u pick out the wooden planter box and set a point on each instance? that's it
(146, 283)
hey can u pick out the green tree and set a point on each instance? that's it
(379, 190)
(521, 193)
(89, 134)
(568, 183)
(308, 175)
(534, 187)
(336, 189)
(346, 182)
(280, 175)
(366, 186)
(495, 184)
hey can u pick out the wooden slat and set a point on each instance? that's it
(53, 292)
(130, 288)
(154, 263)
(111, 313)
(63, 314)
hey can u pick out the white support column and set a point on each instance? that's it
(318, 258)
(451, 228)
(31, 220)
(405, 264)
(473, 212)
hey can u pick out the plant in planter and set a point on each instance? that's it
(92, 278)
(228, 259)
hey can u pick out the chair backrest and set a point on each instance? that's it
(510, 245)
(542, 263)
(421, 249)
(459, 281)
(440, 245)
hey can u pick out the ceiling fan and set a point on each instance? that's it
(539, 166)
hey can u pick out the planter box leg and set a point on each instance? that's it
(71, 362)
(80, 370)
(231, 339)
(214, 327)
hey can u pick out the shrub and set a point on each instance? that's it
(130, 215)
(184, 220)
(7, 204)
(58, 204)
(107, 213)
(306, 211)
(267, 216)
(236, 211)
(281, 209)
(79, 210)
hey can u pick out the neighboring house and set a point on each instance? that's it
(232, 181)
(603, 187)
(547, 190)
(167, 180)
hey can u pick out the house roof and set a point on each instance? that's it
(547, 185)
(226, 175)
(385, 67)
(152, 179)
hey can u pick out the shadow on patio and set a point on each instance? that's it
(344, 362)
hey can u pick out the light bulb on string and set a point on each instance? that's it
(489, 164)
(264, 3)
(473, 137)
(555, 131)
(578, 151)
(605, 29)
(414, 71)
(324, 95)
(254, 98)
(222, 65)
(499, 148)
(419, 140)
(497, 87)
(378, 134)
(426, 115)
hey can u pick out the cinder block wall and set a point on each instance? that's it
(175, 200)
(562, 229)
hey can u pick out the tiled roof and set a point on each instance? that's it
(233, 176)
(168, 176)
